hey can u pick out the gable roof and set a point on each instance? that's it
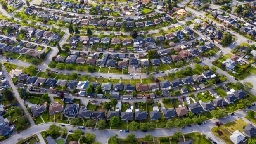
(140, 115)
(207, 106)
(219, 102)
(195, 108)
(84, 113)
(165, 84)
(237, 137)
(55, 108)
(240, 94)
(250, 130)
(181, 111)
(127, 116)
(168, 113)
(129, 87)
(154, 115)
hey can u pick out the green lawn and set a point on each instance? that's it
(60, 141)
(146, 10)
(10, 66)
(173, 103)
(220, 92)
(205, 97)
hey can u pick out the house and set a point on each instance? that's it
(111, 63)
(122, 64)
(208, 74)
(72, 84)
(240, 94)
(39, 82)
(229, 64)
(195, 108)
(118, 87)
(84, 113)
(230, 98)
(237, 137)
(181, 111)
(169, 113)
(129, 88)
(126, 116)
(82, 85)
(112, 114)
(153, 86)
(140, 115)
(165, 85)
(71, 110)
(198, 78)
(15, 73)
(114, 95)
(71, 59)
(91, 61)
(61, 83)
(142, 87)
(60, 58)
(50, 82)
(98, 115)
(176, 83)
(36, 110)
(22, 77)
(250, 130)
(188, 80)
(80, 60)
(106, 86)
(155, 62)
(184, 90)
(55, 108)
(5, 129)
(154, 115)
(207, 106)
(212, 92)
(166, 93)
(31, 80)
(219, 102)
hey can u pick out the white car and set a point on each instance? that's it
(120, 130)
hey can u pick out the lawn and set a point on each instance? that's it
(10, 66)
(146, 10)
(220, 92)
(205, 97)
(58, 100)
(226, 130)
(172, 103)
(30, 140)
(60, 141)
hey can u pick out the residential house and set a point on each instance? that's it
(99, 115)
(207, 106)
(195, 108)
(176, 83)
(31, 80)
(129, 88)
(230, 98)
(153, 86)
(250, 130)
(22, 77)
(50, 82)
(91, 61)
(126, 116)
(176, 58)
(229, 64)
(71, 110)
(15, 72)
(60, 58)
(184, 90)
(208, 74)
(106, 86)
(112, 114)
(166, 93)
(144, 62)
(142, 87)
(155, 62)
(72, 84)
(181, 111)
(169, 113)
(84, 113)
(80, 60)
(219, 102)
(122, 64)
(36, 110)
(114, 95)
(213, 92)
(5, 129)
(82, 85)
(55, 108)
(240, 94)
(118, 87)
(140, 115)
(61, 83)
(71, 59)
(165, 85)
(188, 80)
(237, 137)
(111, 63)
(154, 115)
(39, 82)
(198, 78)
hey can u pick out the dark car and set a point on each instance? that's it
(144, 130)
(127, 131)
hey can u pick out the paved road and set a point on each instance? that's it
(103, 135)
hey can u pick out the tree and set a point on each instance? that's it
(251, 141)
(89, 32)
(113, 102)
(89, 123)
(152, 54)
(250, 114)
(98, 89)
(70, 28)
(27, 3)
(113, 140)
(143, 126)
(218, 113)
(131, 138)
(169, 124)
(77, 30)
(106, 105)
(8, 95)
(148, 137)
(23, 93)
(52, 64)
(60, 66)
(76, 135)
(227, 40)
(54, 131)
(88, 138)
(134, 34)
(151, 125)
(177, 135)
(114, 121)
(134, 125)
(74, 121)
(157, 92)
(64, 132)
(101, 124)
(89, 89)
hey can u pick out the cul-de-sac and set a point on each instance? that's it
(127, 72)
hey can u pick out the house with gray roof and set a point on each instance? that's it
(36, 110)
(169, 113)
(98, 115)
(126, 116)
(207, 106)
(111, 114)
(72, 84)
(165, 85)
(50, 82)
(71, 110)
(71, 59)
(195, 108)
(231, 98)
(84, 113)
(240, 94)
(31, 80)
(153, 86)
(219, 102)
(250, 130)
(140, 115)
(154, 115)
(118, 86)
(106, 86)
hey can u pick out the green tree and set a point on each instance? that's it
(23, 93)
(74, 121)
(70, 28)
(101, 124)
(89, 89)
(60, 66)
(143, 126)
(89, 32)
(227, 40)
(151, 125)
(54, 131)
(98, 89)
(131, 138)
(106, 105)
(250, 114)
(152, 54)
(75, 136)
(113, 140)
(148, 137)
(77, 30)
(219, 113)
(133, 125)
(88, 138)
(114, 121)
(89, 123)
(169, 124)
(251, 141)
(52, 64)
(113, 102)
(176, 136)
(8, 95)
